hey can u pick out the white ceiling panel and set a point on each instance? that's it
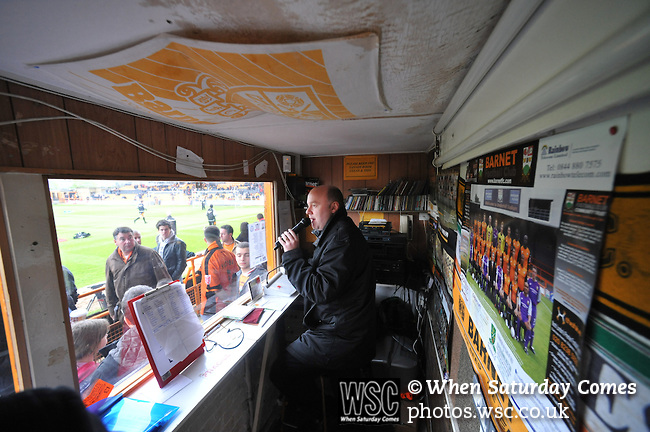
(425, 50)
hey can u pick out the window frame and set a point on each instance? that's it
(40, 344)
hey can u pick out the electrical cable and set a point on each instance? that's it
(401, 344)
(284, 180)
(27, 120)
(421, 310)
(269, 272)
(234, 343)
(134, 114)
(137, 144)
(156, 153)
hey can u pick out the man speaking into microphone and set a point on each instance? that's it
(304, 223)
(338, 288)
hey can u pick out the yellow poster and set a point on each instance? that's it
(360, 168)
(505, 416)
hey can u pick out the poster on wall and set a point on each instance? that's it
(257, 241)
(580, 235)
(616, 358)
(617, 347)
(360, 167)
(441, 314)
(446, 193)
(529, 246)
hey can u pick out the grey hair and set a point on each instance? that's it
(133, 292)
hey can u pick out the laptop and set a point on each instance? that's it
(239, 312)
(256, 288)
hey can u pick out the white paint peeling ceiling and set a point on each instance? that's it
(425, 50)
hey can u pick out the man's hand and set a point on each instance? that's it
(289, 240)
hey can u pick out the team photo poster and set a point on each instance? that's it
(524, 228)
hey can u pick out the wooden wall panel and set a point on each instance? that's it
(235, 155)
(43, 144)
(305, 165)
(320, 168)
(254, 156)
(94, 149)
(336, 169)
(152, 134)
(9, 148)
(416, 164)
(230, 157)
(390, 167)
(383, 172)
(177, 137)
(398, 167)
(212, 150)
(326, 174)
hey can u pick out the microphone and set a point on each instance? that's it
(304, 223)
(275, 277)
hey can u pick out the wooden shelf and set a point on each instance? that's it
(388, 211)
(387, 203)
(397, 196)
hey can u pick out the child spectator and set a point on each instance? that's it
(89, 337)
(129, 354)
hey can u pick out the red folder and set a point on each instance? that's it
(148, 340)
(254, 316)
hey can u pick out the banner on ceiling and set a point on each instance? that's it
(200, 82)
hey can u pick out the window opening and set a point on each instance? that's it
(86, 213)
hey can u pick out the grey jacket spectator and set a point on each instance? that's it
(172, 249)
(129, 265)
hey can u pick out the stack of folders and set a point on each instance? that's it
(132, 415)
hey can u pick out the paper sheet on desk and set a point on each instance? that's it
(281, 288)
(173, 328)
(272, 303)
(152, 392)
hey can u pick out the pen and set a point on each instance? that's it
(267, 318)
(215, 328)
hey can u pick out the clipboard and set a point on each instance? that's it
(171, 332)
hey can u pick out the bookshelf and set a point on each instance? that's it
(397, 196)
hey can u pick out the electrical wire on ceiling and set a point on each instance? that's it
(194, 165)
(171, 159)
(133, 114)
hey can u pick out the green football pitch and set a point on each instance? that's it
(86, 257)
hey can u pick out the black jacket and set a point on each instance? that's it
(338, 288)
(175, 256)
